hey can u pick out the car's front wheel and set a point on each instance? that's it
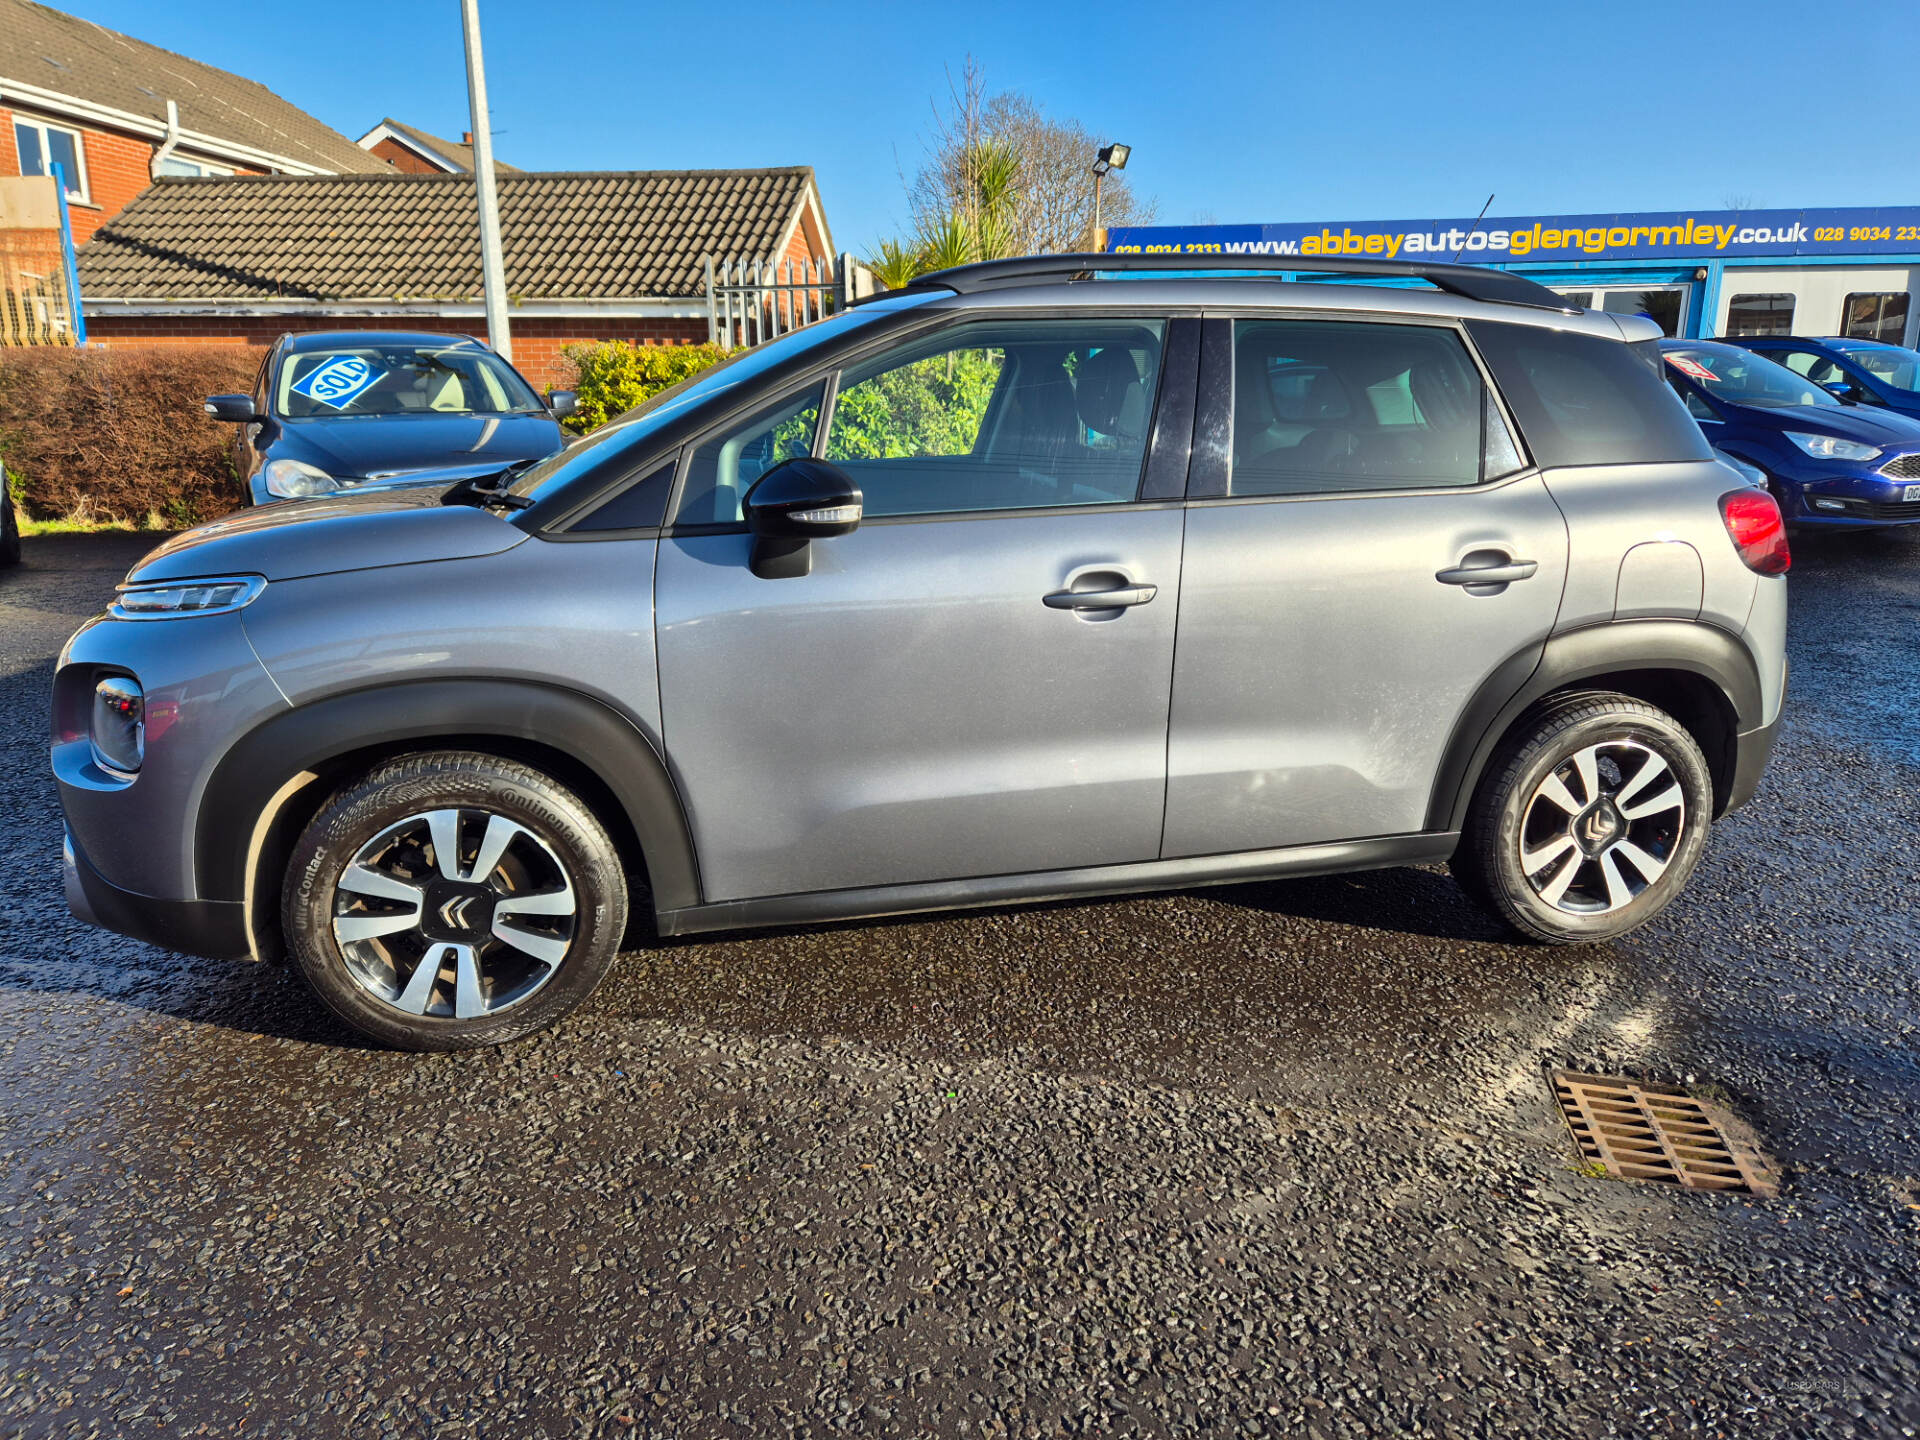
(453, 900)
(1589, 821)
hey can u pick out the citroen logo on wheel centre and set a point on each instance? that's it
(453, 914)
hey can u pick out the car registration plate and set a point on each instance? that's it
(1910, 492)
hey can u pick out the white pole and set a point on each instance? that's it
(493, 276)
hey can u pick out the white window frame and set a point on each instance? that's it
(1611, 287)
(201, 167)
(79, 191)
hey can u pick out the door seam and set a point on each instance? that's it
(1173, 671)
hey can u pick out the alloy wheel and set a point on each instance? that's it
(1601, 827)
(455, 914)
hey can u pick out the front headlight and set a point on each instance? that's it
(297, 480)
(186, 597)
(1826, 447)
(118, 726)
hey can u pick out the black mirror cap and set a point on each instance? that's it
(804, 499)
(562, 403)
(236, 409)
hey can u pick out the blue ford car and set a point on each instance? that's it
(1867, 372)
(1827, 461)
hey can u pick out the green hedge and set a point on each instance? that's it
(610, 377)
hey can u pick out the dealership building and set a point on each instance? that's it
(1698, 273)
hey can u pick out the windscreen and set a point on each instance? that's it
(351, 380)
(1740, 377)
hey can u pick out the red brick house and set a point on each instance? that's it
(589, 256)
(413, 151)
(115, 112)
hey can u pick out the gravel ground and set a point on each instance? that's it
(1269, 1160)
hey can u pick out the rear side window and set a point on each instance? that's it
(1325, 406)
(1585, 400)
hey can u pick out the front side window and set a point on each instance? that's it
(1322, 406)
(353, 381)
(42, 146)
(1875, 317)
(1816, 367)
(1892, 365)
(1760, 315)
(1000, 415)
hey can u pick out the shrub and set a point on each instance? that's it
(119, 434)
(610, 377)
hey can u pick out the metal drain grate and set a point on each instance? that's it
(1652, 1132)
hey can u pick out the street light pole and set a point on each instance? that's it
(493, 276)
(1111, 157)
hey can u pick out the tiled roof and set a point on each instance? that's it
(452, 152)
(64, 54)
(620, 234)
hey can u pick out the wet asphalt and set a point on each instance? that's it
(1277, 1159)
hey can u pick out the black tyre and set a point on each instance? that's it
(1588, 821)
(453, 900)
(9, 527)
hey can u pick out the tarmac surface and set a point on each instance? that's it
(1276, 1159)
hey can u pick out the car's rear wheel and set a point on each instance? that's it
(453, 900)
(1589, 820)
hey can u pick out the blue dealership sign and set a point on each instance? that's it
(1677, 235)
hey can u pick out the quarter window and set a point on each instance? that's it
(1007, 415)
(1875, 317)
(1583, 399)
(724, 468)
(42, 146)
(1760, 315)
(1324, 406)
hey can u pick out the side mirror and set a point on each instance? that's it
(795, 503)
(237, 409)
(562, 403)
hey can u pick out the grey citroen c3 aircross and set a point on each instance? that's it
(1039, 578)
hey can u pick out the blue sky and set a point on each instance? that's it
(1236, 112)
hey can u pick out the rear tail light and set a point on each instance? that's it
(1758, 532)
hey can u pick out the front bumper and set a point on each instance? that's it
(216, 928)
(1851, 500)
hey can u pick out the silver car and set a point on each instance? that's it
(1028, 581)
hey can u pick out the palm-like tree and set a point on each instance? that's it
(979, 226)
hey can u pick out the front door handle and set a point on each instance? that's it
(1492, 569)
(1115, 599)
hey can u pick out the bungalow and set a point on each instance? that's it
(589, 256)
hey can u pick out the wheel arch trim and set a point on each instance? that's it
(1618, 647)
(252, 775)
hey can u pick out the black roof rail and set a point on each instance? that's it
(1474, 282)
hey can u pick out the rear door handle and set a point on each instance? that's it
(1115, 599)
(1502, 571)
